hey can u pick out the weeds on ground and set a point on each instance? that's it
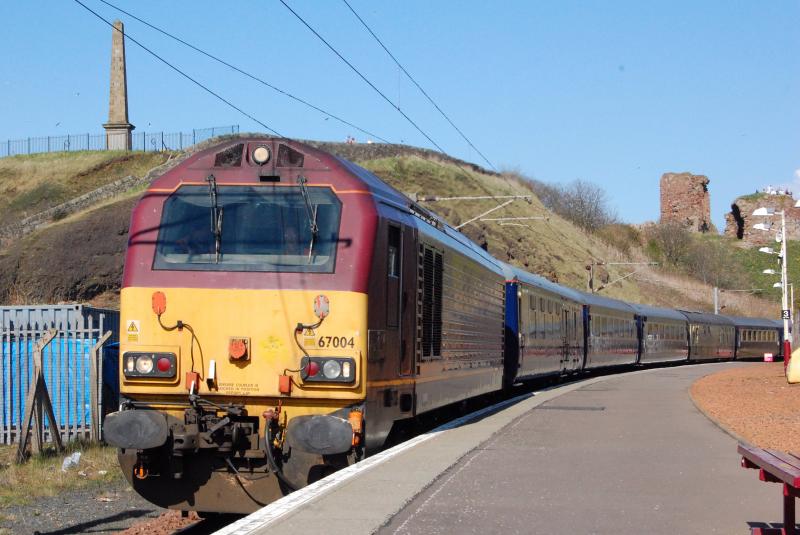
(41, 475)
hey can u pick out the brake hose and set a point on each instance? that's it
(271, 460)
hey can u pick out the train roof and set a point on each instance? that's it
(706, 318)
(651, 312)
(607, 302)
(515, 273)
(763, 323)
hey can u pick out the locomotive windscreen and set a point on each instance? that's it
(265, 228)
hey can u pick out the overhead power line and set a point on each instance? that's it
(417, 84)
(245, 73)
(176, 69)
(341, 57)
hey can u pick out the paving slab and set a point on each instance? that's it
(614, 454)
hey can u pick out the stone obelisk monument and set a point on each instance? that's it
(118, 129)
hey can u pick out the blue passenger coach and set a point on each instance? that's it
(544, 325)
(663, 335)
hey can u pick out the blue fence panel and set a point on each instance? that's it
(66, 371)
(66, 365)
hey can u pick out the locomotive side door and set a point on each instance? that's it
(408, 304)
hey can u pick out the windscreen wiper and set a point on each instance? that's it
(216, 216)
(311, 212)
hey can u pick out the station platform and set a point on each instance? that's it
(624, 453)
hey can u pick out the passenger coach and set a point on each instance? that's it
(662, 333)
(757, 336)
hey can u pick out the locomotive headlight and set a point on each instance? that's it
(261, 155)
(332, 369)
(328, 370)
(144, 364)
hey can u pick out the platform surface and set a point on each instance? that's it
(616, 454)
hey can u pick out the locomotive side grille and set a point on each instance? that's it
(427, 303)
(431, 271)
(420, 303)
(436, 327)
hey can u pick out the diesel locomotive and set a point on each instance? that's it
(283, 309)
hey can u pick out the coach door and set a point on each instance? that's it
(566, 336)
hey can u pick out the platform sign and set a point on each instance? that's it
(786, 314)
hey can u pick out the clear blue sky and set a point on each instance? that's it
(612, 92)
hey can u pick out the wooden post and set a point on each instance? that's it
(36, 400)
(94, 389)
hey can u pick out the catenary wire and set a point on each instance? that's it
(341, 57)
(176, 69)
(245, 73)
(435, 105)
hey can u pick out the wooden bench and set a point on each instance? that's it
(776, 467)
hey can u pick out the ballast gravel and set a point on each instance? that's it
(98, 510)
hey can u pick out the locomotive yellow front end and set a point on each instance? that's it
(244, 320)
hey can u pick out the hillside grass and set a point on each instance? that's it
(32, 183)
(753, 263)
(553, 248)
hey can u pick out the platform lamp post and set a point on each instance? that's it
(781, 237)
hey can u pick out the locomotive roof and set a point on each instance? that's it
(706, 318)
(651, 312)
(230, 165)
(763, 323)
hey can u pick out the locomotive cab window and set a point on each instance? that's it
(246, 228)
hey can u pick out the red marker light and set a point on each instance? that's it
(164, 364)
(312, 369)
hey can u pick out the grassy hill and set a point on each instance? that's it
(31, 184)
(88, 247)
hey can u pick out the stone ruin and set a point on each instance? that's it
(740, 220)
(685, 200)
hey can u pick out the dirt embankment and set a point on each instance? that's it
(78, 259)
(754, 402)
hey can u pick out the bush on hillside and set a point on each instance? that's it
(621, 236)
(669, 244)
(582, 202)
(706, 258)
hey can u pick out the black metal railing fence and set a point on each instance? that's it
(140, 141)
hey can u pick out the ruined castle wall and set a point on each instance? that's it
(685, 200)
(739, 221)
